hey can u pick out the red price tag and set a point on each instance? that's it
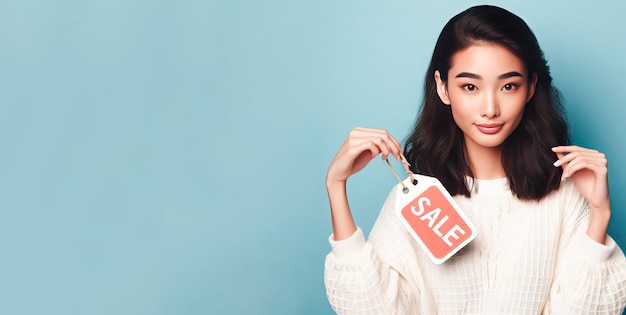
(433, 218)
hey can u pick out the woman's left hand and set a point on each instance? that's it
(588, 169)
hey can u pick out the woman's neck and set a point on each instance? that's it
(486, 163)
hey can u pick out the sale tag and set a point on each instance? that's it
(433, 218)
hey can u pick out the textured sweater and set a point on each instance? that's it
(528, 258)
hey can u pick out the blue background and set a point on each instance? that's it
(168, 157)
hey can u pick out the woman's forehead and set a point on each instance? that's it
(486, 60)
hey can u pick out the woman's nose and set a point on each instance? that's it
(490, 107)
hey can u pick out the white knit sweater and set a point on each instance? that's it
(528, 258)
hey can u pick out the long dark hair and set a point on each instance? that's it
(436, 147)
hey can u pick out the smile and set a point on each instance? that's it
(489, 128)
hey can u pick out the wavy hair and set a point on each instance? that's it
(436, 146)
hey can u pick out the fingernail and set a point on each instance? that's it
(557, 163)
(553, 149)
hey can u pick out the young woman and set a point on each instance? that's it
(491, 129)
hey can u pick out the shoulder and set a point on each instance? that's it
(566, 193)
(390, 238)
(568, 200)
(388, 232)
(387, 214)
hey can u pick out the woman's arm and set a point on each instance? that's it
(588, 169)
(378, 276)
(358, 280)
(590, 275)
(359, 148)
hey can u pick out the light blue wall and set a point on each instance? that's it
(168, 157)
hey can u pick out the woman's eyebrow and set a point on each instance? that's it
(510, 75)
(500, 77)
(468, 75)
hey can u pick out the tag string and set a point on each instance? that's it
(406, 165)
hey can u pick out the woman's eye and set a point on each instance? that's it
(509, 87)
(469, 87)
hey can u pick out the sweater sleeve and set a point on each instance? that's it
(590, 277)
(360, 278)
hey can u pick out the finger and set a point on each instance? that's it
(598, 169)
(383, 145)
(387, 143)
(587, 155)
(359, 149)
(559, 157)
(573, 162)
(396, 148)
(393, 144)
(571, 148)
(358, 145)
(559, 162)
(566, 154)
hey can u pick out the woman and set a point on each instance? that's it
(491, 129)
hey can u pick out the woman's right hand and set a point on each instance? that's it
(359, 148)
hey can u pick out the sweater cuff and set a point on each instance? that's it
(349, 247)
(593, 251)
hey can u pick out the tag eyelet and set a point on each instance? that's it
(405, 190)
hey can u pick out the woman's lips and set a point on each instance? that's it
(489, 128)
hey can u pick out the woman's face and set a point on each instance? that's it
(487, 90)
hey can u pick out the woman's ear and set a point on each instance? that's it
(442, 89)
(531, 88)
